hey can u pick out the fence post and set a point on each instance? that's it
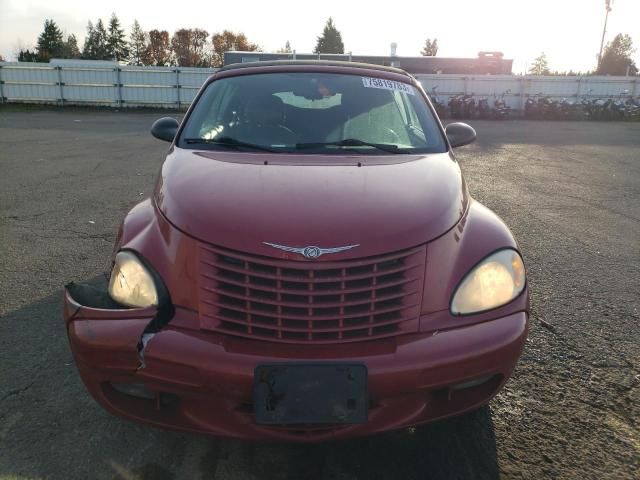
(579, 92)
(60, 84)
(178, 88)
(521, 93)
(118, 86)
(1, 86)
(633, 90)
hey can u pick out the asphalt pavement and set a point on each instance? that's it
(570, 193)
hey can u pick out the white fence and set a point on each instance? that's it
(516, 89)
(96, 84)
(175, 87)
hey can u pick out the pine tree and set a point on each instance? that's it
(137, 44)
(616, 58)
(88, 50)
(101, 47)
(331, 40)
(50, 42)
(70, 47)
(27, 56)
(117, 47)
(540, 65)
(286, 48)
(95, 43)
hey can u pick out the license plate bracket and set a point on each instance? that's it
(310, 393)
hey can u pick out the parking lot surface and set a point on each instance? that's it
(570, 193)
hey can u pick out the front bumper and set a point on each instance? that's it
(202, 382)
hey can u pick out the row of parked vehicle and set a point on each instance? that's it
(469, 106)
(544, 107)
(539, 107)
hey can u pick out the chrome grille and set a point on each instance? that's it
(310, 301)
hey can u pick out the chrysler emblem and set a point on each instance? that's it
(311, 252)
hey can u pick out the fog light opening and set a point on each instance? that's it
(471, 383)
(135, 390)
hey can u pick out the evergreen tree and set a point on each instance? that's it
(540, 65)
(137, 44)
(616, 58)
(89, 41)
(286, 48)
(50, 42)
(70, 47)
(330, 41)
(117, 47)
(27, 55)
(95, 44)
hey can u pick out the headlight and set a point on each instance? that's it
(493, 282)
(131, 283)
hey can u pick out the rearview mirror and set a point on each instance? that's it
(460, 134)
(165, 129)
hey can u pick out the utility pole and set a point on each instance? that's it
(607, 6)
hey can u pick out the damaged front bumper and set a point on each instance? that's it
(182, 378)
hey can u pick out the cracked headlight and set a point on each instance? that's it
(493, 282)
(131, 284)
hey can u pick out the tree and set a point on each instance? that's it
(50, 43)
(117, 47)
(286, 48)
(188, 46)
(158, 50)
(540, 65)
(70, 47)
(26, 55)
(137, 44)
(330, 41)
(89, 42)
(430, 48)
(226, 41)
(95, 43)
(616, 59)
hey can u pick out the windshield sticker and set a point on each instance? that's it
(387, 85)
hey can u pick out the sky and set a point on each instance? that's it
(568, 31)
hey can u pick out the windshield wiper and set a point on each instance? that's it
(351, 142)
(228, 142)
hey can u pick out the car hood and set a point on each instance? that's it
(381, 204)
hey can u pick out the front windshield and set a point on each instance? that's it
(312, 113)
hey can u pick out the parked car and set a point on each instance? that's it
(310, 266)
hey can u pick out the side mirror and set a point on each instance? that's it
(165, 129)
(460, 134)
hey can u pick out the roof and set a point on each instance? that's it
(327, 63)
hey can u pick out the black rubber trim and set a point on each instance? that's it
(93, 297)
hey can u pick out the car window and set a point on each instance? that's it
(313, 113)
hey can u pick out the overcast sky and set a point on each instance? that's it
(568, 31)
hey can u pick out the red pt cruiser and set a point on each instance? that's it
(311, 266)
